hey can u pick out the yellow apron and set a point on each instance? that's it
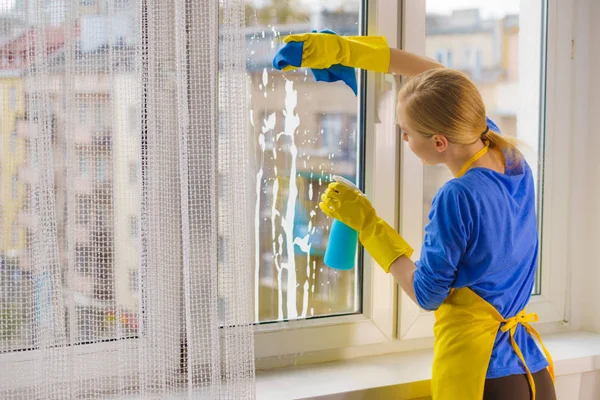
(465, 331)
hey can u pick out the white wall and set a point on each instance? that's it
(585, 187)
(594, 168)
(585, 235)
(584, 386)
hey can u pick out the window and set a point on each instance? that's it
(14, 187)
(444, 56)
(304, 144)
(121, 5)
(26, 206)
(100, 115)
(134, 117)
(83, 111)
(101, 170)
(221, 248)
(134, 284)
(133, 226)
(331, 131)
(338, 135)
(13, 98)
(13, 142)
(84, 168)
(133, 173)
(84, 206)
(467, 59)
(478, 60)
(449, 59)
(84, 259)
(14, 234)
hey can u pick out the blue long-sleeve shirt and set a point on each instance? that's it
(483, 235)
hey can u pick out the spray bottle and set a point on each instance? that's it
(343, 240)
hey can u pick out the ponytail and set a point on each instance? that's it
(506, 145)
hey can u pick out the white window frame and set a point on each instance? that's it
(18, 369)
(390, 321)
(377, 323)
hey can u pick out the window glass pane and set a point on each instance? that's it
(501, 47)
(13, 142)
(90, 150)
(302, 133)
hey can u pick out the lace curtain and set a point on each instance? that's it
(125, 243)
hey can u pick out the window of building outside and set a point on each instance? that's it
(14, 234)
(13, 142)
(133, 173)
(14, 187)
(82, 115)
(13, 98)
(84, 164)
(134, 117)
(84, 207)
(338, 134)
(134, 283)
(100, 115)
(101, 170)
(133, 226)
(83, 259)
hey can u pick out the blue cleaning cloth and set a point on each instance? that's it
(291, 54)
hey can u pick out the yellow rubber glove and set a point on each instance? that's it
(346, 203)
(322, 50)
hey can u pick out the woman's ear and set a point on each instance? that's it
(440, 142)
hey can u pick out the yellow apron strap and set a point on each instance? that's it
(535, 333)
(510, 325)
(471, 160)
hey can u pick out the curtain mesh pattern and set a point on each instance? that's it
(125, 246)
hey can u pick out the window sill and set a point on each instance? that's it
(406, 375)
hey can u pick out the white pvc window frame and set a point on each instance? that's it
(390, 321)
(377, 323)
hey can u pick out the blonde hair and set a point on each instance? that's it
(444, 101)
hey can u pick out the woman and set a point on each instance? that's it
(479, 255)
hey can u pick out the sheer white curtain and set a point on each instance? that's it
(124, 234)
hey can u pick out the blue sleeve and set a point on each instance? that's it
(446, 238)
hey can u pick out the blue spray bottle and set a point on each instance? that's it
(343, 240)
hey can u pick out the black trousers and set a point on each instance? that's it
(516, 387)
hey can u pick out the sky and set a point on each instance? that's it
(488, 8)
